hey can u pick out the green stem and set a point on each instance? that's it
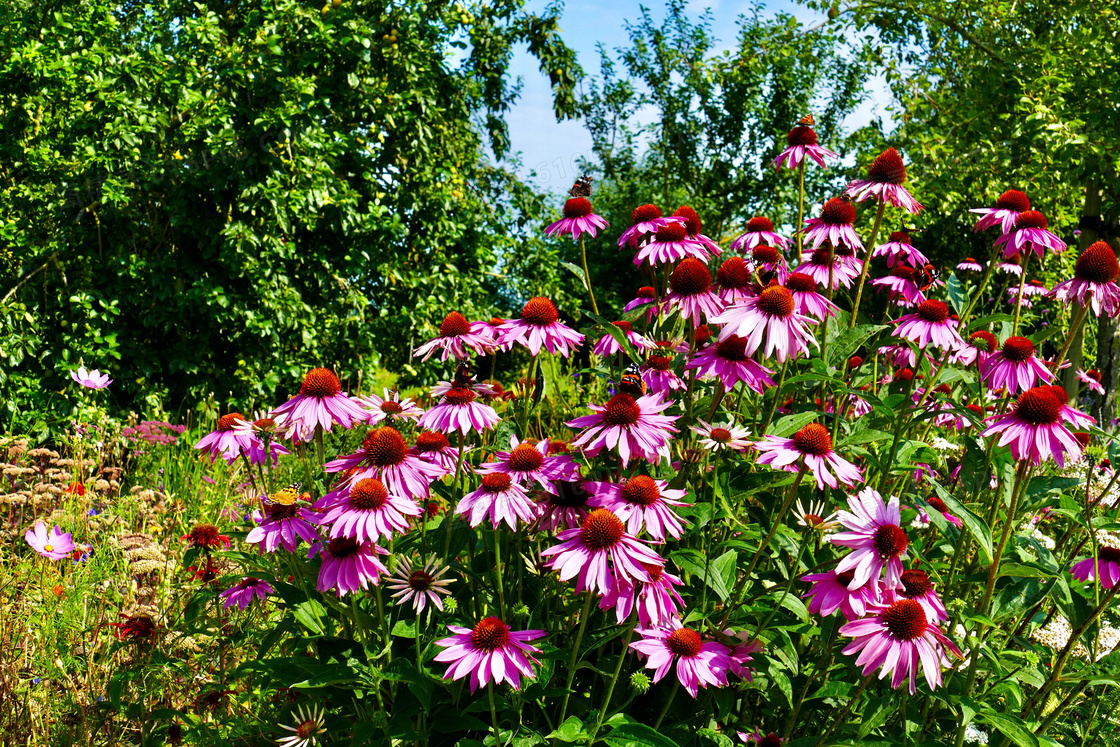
(800, 207)
(1078, 318)
(1022, 478)
(976, 294)
(498, 570)
(575, 655)
(1022, 286)
(777, 396)
(493, 714)
(614, 679)
(669, 702)
(847, 709)
(587, 275)
(869, 247)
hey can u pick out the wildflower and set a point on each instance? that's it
(1094, 281)
(728, 361)
(578, 219)
(694, 227)
(801, 142)
(759, 231)
(566, 508)
(422, 585)
(539, 326)
(434, 448)
(319, 404)
(898, 248)
(526, 462)
(54, 545)
(814, 517)
(690, 292)
(670, 244)
(458, 411)
(903, 285)
(717, 438)
(600, 551)
(808, 301)
(898, 639)
(385, 455)
(939, 505)
(772, 317)
(758, 738)
(970, 265)
(929, 325)
(206, 537)
(634, 426)
(642, 503)
(915, 584)
(1030, 234)
(826, 265)
(829, 592)
(647, 220)
(365, 510)
(1091, 379)
(307, 729)
(769, 264)
(657, 600)
(813, 446)
(1015, 367)
(607, 345)
(490, 650)
(834, 225)
(246, 590)
(646, 296)
(1034, 428)
(698, 664)
(135, 627)
(456, 335)
(1105, 566)
(1012, 265)
(979, 346)
(886, 175)
(229, 440)
(348, 565)
(658, 373)
(1007, 209)
(740, 650)
(876, 538)
(90, 379)
(282, 526)
(388, 407)
(500, 499)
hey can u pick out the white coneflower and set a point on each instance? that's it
(307, 730)
(419, 585)
(815, 518)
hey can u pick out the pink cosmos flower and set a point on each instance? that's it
(490, 651)
(772, 317)
(348, 565)
(1091, 379)
(456, 335)
(1015, 367)
(690, 292)
(830, 592)
(634, 427)
(647, 220)
(669, 245)
(365, 510)
(245, 591)
(813, 445)
(728, 361)
(760, 231)
(658, 602)
(55, 544)
(916, 585)
(876, 537)
(282, 526)
(834, 225)
(817, 267)
(929, 325)
(970, 265)
(808, 301)
(899, 639)
(578, 219)
(718, 438)
(227, 440)
(320, 403)
(434, 448)
(1007, 209)
(698, 663)
(600, 552)
(607, 345)
(641, 503)
(898, 248)
(500, 499)
(1030, 235)
(1106, 567)
(1094, 281)
(1034, 428)
(539, 326)
(421, 585)
(526, 462)
(90, 379)
(385, 455)
(801, 142)
(388, 407)
(903, 284)
(886, 175)
(458, 411)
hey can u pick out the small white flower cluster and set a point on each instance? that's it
(1108, 539)
(974, 735)
(1032, 529)
(1056, 636)
(942, 444)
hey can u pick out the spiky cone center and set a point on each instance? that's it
(734, 273)
(684, 642)
(1094, 374)
(1016, 260)
(459, 395)
(601, 530)
(812, 520)
(389, 407)
(733, 349)
(813, 439)
(1109, 554)
(646, 213)
(970, 259)
(770, 740)
(822, 257)
(577, 207)
(204, 535)
(943, 389)
(626, 327)
(890, 541)
(691, 278)
(279, 511)
(368, 494)
(764, 253)
(1031, 219)
(776, 301)
(672, 233)
(307, 728)
(496, 482)
(1059, 392)
(429, 441)
(975, 409)
(904, 272)
(899, 237)
(454, 324)
(1083, 438)
(799, 282)
(934, 312)
(622, 410)
(903, 374)
(655, 572)
(556, 446)
(384, 447)
(490, 634)
(692, 222)
(801, 135)
(227, 422)
(888, 168)
(1017, 349)
(720, 435)
(343, 547)
(1039, 406)
(703, 334)
(320, 382)
(760, 223)
(540, 312)
(846, 577)
(420, 580)
(640, 490)
(906, 620)
(983, 340)
(525, 458)
(1098, 264)
(916, 583)
(659, 362)
(838, 212)
(1014, 200)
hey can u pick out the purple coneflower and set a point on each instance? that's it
(899, 638)
(1034, 428)
(282, 526)
(434, 448)
(228, 440)
(759, 231)
(815, 517)
(366, 510)
(903, 284)
(90, 379)
(564, 509)
(421, 585)
(1012, 265)
(1094, 281)
(1105, 566)
(970, 265)
(490, 651)
(389, 407)
(456, 334)
(657, 601)
(886, 175)
(385, 455)
(645, 296)
(929, 325)
(834, 225)
(658, 373)
(1034, 288)
(769, 264)
(670, 244)
(690, 292)
(607, 345)
(698, 663)
(829, 592)
(915, 584)
(939, 505)
(500, 499)
(458, 411)
(578, 219)
(245, 591)
(758, 739)
(647, 220)
(771, 316)
(634, 426)
(599, 552)
(801, 142)
(718, 438)
(1091, 379)
(824, 265)
(641, 503)
(1030, 235)
(733, 280)
(1015, 367)
(978, 347)
(813, 445)
(809, 302)
(526, 462)
(1007, 209)
(539, 326)
(320, 403)
(694, 227)
(348, 565)
(728, 361)
(54, 545)
(876, 538)
(898, 248)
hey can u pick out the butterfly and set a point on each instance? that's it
(807, 121)
(631, 382)
(286, 497)
(463, 377)
(582, 187)
(929, 275)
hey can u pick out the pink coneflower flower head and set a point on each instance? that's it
(809, 301)
(500, 499)
(939, 505)
(566, 508)
(929, 325)
(282, 525)
(348, 565)
(456, 335)
(670, 244)
(829, 592)
(642, 503)
(367, 511)
(607, 345)
(1007, 209)
(876, 537)
(245, 591)
(719, 438)
(698, 663)
(886, 175)
(578, 219)
(1094, 281)
(769, 317)
(734, 280)
(970, 265)
(694, 227)
(647, 220)
(915, 584)
(54, 545)
(599, 553)
(389, 407)
(740, 648)
(420, 585)
(898, 248)
(826, 264)
(690, 292)
(658, 602)
(385, 455)
(1012, 265)
(834, 225)
(728, 361)
(904, 285)
(1015, 367)
(977, 348)
(1034, 288)
(90, 379)
(1034, 428)
(899, 639)
(528, 462)
(759, 231)
(1030, 235)
(227, 440)
(635, 427)
(205, 537)
(539, 326)
(320, 403)
(1106, 567)
(490, 651)
(458, 410)
(1091, 379)
(761, 740)
(813, 445)
(434, 448)
(658, 374)
(769, 264)
(801, 142)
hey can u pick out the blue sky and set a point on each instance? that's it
(550, 148)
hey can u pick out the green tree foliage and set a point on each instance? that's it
(216, 196)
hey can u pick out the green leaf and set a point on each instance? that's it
(578, 272)
(637, 735)
(879, 710)
(692, 562)
(1012, 727)
(957, 295)
(570, 731)
(790, 424)
(976, 526)
(848, 341)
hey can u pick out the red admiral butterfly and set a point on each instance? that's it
(631, 382)
(463, 376)
(582, 187)
(929, 275)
